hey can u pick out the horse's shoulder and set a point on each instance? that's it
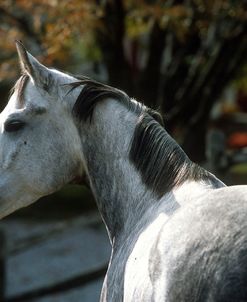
(217, 216)
(219, 210)
(189, 243)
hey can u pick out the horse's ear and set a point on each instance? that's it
(38, 72)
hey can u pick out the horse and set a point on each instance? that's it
(177, 232)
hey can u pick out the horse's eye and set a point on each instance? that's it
(14, 125)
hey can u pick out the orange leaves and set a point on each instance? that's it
(47, 25)
(59, 29)
(140, 18)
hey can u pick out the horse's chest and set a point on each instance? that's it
(144, 265)
(137, 282)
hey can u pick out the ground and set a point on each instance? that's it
(44, 253)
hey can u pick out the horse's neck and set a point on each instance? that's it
(128, 207)
(121, 196)
(123, 199)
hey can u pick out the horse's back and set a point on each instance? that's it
(201, 252)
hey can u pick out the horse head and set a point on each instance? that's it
(40, 147)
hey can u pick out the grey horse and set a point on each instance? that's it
(177, 232)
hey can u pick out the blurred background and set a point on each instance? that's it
(186, 58)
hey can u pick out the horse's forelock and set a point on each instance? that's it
(19, 89)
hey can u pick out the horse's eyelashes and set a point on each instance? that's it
(13, 126)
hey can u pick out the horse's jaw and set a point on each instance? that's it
(14, 198)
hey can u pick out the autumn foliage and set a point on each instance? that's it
(176, 55)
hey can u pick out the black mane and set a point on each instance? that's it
(92, 93)
(160, 160)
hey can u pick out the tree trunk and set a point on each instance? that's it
(110, 38)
